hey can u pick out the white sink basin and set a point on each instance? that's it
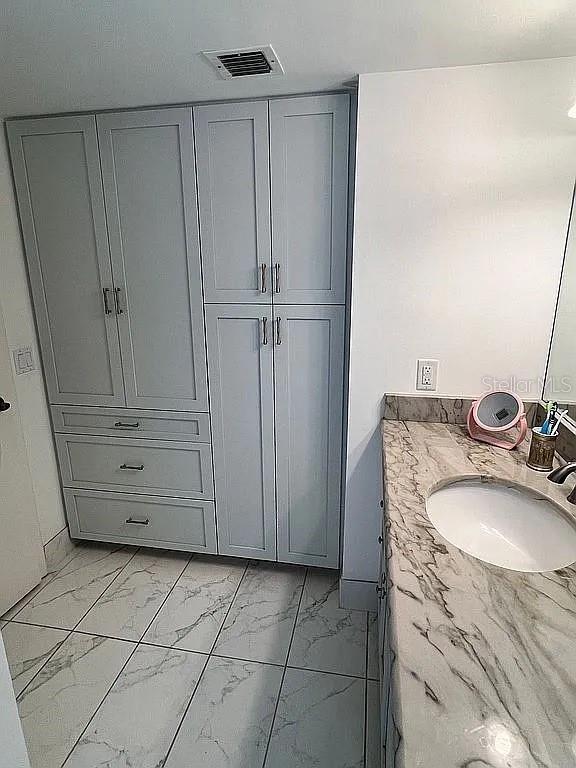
(504, 526)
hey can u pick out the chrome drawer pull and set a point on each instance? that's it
(263, 270)
(105, 292)
(139, 468)
(137, 522)
(277, 275)
(264, 330)
(278, 337)
(125, 425)
(119, 310)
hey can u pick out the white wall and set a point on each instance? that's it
(463, 187)
(17, 311)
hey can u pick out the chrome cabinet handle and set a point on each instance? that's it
(131, 520)
(381, 591)
(264, 330)
(125, 425)
(138, 467)
(107, 310)
(277, 277)
(263, 275)
(119, 310)
(278, 337)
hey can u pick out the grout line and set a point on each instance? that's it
(53, 537)
(126, 564)
(177, 731)
(229, 609)
(284, 670)
(100, 704)
(209, 656)
(70, 631)
(190, 558)
(23, 691)
(325, 672)
(50, 577)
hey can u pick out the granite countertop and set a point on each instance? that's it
(483, 659)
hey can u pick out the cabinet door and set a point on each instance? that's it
(234, 201)
(308, 364)
(59, 188)
(149, 188)
(240, 365)
(309, 172)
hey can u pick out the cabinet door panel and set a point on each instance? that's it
(59, 188)
(241, 396)
(308, 364)
(309, 171)
(148, 171)
(234, 200)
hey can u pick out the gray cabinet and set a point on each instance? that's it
(234, 201)
(276, 388)
(148, 173)
(139, 519)
(112, 228)
(57, 176)
(240, 366)
(163, 467)
(308, 386)
(309, 185)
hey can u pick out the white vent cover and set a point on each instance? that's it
(245, 62)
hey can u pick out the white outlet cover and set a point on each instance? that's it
(427, 375)
(23, 360)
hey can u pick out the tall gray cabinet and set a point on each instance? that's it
(188, 274)
(275, 320)
(109, 219)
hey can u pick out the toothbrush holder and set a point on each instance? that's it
(542, 451)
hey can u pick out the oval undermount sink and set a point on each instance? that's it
(503, 525)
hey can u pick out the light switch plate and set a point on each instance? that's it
(23, 360)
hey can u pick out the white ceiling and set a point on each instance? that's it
(62, 55)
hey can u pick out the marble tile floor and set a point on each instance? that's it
(141, 658)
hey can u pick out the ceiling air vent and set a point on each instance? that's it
(245, 62)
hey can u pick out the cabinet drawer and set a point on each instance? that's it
(141, 466)
(155, 521)
(161, 425)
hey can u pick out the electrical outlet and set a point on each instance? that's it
(427, 376)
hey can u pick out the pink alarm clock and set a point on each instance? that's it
(498, 418)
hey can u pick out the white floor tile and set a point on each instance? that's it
(58, 704)
(127, 608)
(64, 601)
(137, 721)
(319, 722)
(327, 637)
(28, 648)
(230, 717)
(260, 623)
(192, 615)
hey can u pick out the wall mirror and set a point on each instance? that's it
(560, 381)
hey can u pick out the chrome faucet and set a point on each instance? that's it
(561, 474)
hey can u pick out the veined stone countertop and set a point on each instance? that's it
(483, 659)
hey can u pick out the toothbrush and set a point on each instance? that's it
(551, 420)
(546, 426)
(559, 419)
